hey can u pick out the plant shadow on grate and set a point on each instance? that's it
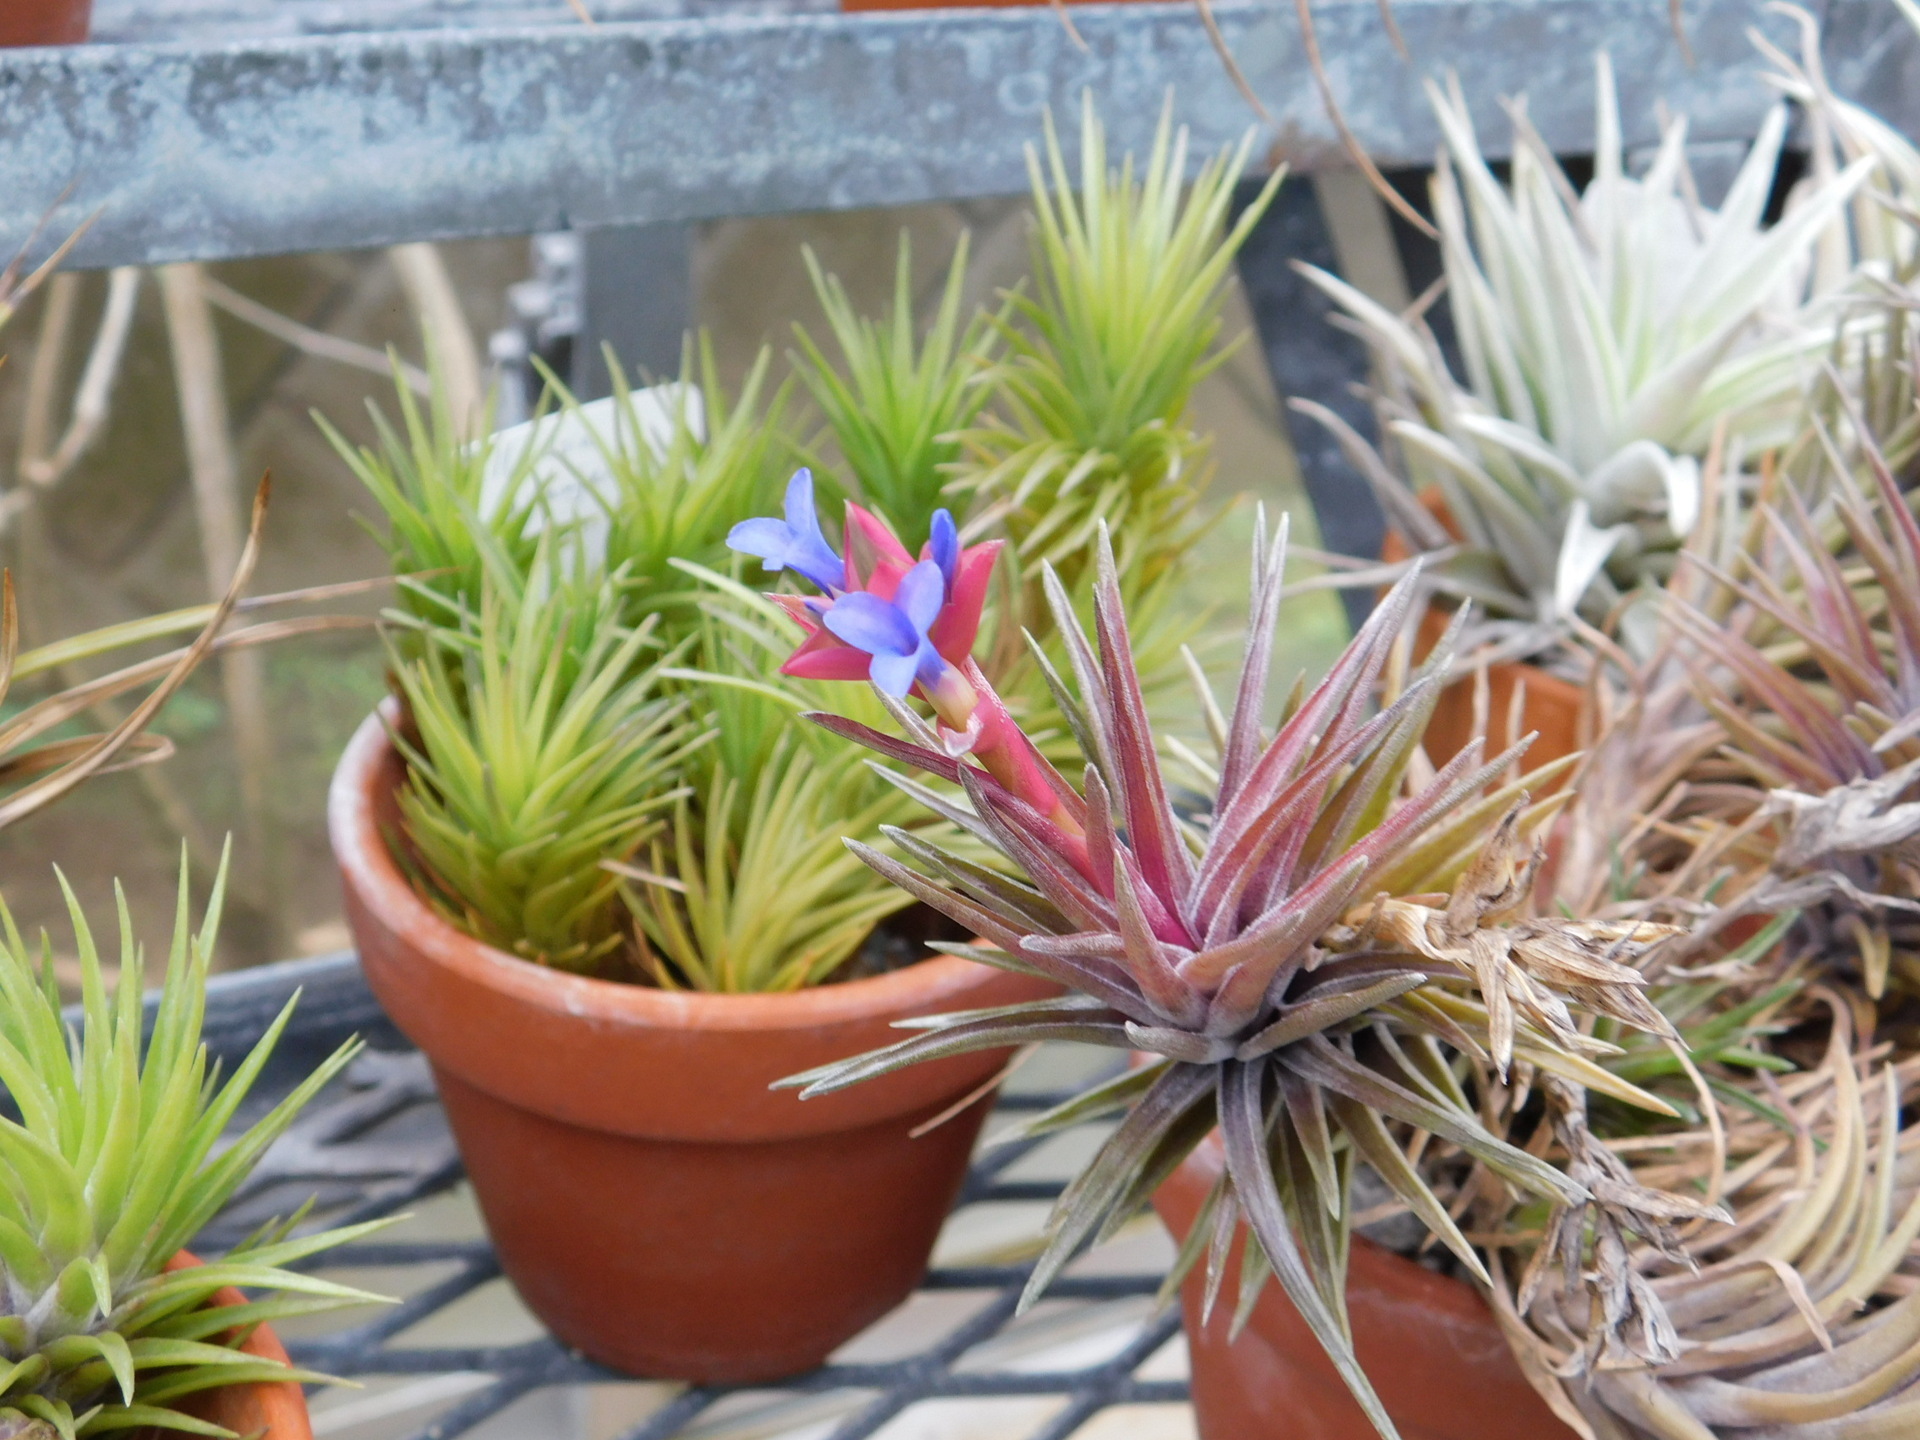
(458, 1356)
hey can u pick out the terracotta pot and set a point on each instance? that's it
(44, 22)
(269, 1411)
(1431, 1347)
(651, 1199)
(1550, 705)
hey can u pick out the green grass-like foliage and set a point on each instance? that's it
(897, 401)
(542, 745)
(1100, 360)
(428, 479)
(750, 889)
(675, 496)
(1272, 962)
(113, 1166)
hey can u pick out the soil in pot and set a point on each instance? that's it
(44, 22)
(1547, 703)
(654, 1203)
(1429, 1343)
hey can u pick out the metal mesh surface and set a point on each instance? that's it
(458, 1355)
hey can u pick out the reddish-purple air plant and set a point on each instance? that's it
(1284, 959)
(1816, 682)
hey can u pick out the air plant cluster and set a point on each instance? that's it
(1756, 785)
(1068, 407)
(1633, 1037)
(605, 772)
(120, 1156)
(1608, 339)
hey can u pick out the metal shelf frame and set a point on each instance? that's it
(217, 133)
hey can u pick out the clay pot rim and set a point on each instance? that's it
(362, 851)
(283, 1402)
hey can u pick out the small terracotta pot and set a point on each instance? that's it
(652, 1200)
(1429, 1344)
(267, 1410)
(44, 22)
(1550, 705)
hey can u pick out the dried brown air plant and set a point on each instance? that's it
(1795, 1318)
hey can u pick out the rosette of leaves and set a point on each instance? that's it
(672, 494)
(1299, 965)
(1606, 336)
(539, 743)
(748, 889)
(896, 401)
(1815, 681)
(118, 1158)
(634, 490)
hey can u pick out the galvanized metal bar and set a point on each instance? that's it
(284, 144)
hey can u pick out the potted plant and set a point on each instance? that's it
(605, 1069)
(122, 1156)
(1616, 343)
(45, 22)
(1296, 969)
(592, 855)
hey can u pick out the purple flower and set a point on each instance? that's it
(894, 632)
(944, 547)
(793, 544)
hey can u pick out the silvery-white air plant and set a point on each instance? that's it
(1604, 336)
(1881, 241)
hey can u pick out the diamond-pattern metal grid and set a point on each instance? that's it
(376, 1144)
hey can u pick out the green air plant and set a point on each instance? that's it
(1607, 337)
(896, 402)
(1299, 966)
(118, 1159)
(748, 889)
(1088, 425)
(1815, 680)
(541, 744)
(454, 509)
(672, 493)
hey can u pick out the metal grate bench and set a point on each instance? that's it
(376, 1144)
